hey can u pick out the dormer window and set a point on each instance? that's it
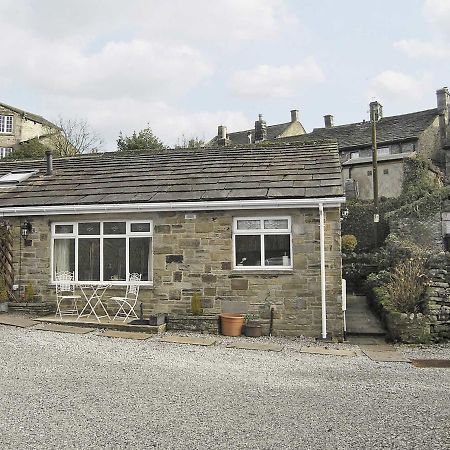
(6, 124)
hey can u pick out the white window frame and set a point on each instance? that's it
(6, 124)
(5, 151)
(128, 234)
(262, 232)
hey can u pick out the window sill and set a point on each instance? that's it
(146, 286)
(270, 272)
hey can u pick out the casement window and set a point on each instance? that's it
(6, 124)
(262, 243)
(383, 151)
(5, 151)
(103, 251)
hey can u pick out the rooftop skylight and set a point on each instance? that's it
(16, 176)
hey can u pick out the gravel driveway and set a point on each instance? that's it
(61, 391)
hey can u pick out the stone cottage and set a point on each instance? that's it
(18, 126)
(248, 229)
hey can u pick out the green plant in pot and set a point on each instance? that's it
(4, 296)
(252, 327)
(29, 293)
(196, 305)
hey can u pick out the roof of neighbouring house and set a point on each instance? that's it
(28, 115)
(308, 170)
(389, 129)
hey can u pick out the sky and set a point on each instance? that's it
(185, 67)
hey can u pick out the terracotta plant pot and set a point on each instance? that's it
(231, 324)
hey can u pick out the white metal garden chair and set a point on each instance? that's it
(128, 303)
(66, 299)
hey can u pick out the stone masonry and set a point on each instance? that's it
(193, 253)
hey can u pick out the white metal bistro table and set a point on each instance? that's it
(93, 293)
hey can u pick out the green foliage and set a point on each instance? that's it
(143, 140)
(193, 142)
(4, 295)
(348, 243)
(32, 149)
(29, 292)
(196, 305)
(406, 289)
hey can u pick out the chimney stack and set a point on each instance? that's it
(49, 157)
(294, 115)
(222, 135)
(376, 111)
(260, 129)
(329, 121)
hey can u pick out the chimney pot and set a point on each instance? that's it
(443, 98)
(49, 158)
(222, 132)
(294, 115)
(329, 121)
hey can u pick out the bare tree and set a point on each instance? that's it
(73, 137)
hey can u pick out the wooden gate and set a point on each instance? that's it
(6, 258)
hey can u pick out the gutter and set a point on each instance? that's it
(332, 202)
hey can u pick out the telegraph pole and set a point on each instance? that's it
(376, 215)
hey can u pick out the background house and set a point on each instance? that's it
(398, 137)
(18, 126)
(248, 229)
(261, 132)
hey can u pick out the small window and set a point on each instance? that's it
(6, 124)
(383, 151)
(369, 173)
(385, 171)
(5, 151)
(262, 243)
(64, 228)
(354, 155)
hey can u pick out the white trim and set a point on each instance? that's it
(322, 271)
(6, 124)
(75, 235)
(262, 232)
(171, 206)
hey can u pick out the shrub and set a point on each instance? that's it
(4, 296)
(406, 290)
(29, 292)
(349, 243)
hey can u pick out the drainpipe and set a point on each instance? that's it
(322, 271)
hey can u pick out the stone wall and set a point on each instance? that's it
(193, 253)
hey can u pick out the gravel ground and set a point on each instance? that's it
(61, 391)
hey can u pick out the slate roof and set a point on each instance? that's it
(389, 129)
(381, 159)
(28, 115)
(300, 171)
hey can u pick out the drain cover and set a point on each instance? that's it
(440, 363)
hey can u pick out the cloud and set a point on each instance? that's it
(135, 69)
(224, 20)
(437, 12)
(275, 81)
(109, 116)
(391, 85)
(415, 48)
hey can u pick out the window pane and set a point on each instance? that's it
(64, 256)
(140, 262)
(248, 250)
(89, 228)
(63, 229)
(277, 250)
(88, 259)
(276, 224)
(114, 259)
(248, 224)
(114, 228)
(140, 227)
